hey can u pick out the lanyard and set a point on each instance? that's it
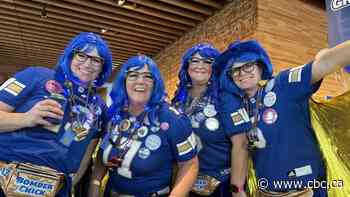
(77, 117)
(133, 124)
(254, 111)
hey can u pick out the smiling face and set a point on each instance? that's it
(247, 76)
(86, 65)
(199, 69)
(139, 86)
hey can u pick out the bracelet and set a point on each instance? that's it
(236, 189)
(96, 182)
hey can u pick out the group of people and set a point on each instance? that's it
(227, 106)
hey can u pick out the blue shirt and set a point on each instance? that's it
(289, 150)
(213, 145)
(148, 163)
(43, 146)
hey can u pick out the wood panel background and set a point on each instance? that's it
(238, 20)
(291, 31)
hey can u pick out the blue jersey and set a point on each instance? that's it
(147, 165)
(213, 145)
(47, 146)
(285, 141)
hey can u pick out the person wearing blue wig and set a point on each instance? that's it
(197, 97)
(274, 113)
(145, 136)
(51, 120)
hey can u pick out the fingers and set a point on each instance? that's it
(51, 103)
(44, 123)
(48, 114)
(50, 106)
(47, 108)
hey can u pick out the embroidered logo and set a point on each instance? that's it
(239, 117)
(12, 86)
(295, 74)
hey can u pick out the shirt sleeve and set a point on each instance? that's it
(297, 82)
(235, 119)
(182, 139)
(17, 89)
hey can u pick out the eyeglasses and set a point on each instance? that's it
(196, 60)
(247, 68)
(83, 57)
(134, 75)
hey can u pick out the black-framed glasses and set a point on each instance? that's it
(196, 60)
(83, 57)
(247, 68)
(134, 76)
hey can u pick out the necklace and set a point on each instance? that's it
(76, 114)
(129, 126)
(252, 135)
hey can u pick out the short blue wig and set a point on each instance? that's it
(206, 51)
(85, 42)
(119, 94)
(246, 51)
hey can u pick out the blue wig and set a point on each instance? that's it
(85, 42)
(119, 94)
(206, 51)
(247, 51)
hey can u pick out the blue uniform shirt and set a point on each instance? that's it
(214, 146)
(288, 148)
(148, 163)
(43, 146)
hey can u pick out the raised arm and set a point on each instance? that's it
(329, 60)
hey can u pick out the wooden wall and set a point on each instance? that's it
(291, 31)
(237, 20)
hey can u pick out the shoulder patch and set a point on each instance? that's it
(295, 74)
(12, 86)
(186, 146)
(239, 117)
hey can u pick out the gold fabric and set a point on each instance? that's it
(252, 182)
(331, 122)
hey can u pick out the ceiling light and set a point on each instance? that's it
(121, 2)
(130, 6)
(104, 31)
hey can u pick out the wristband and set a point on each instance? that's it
(236, 189)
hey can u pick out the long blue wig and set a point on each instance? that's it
(246, 51)
(206, 51)
(84, 42)
(119, 94)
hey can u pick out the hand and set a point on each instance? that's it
(239, 194)
(42, 109)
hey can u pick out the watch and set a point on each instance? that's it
(235, 189)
